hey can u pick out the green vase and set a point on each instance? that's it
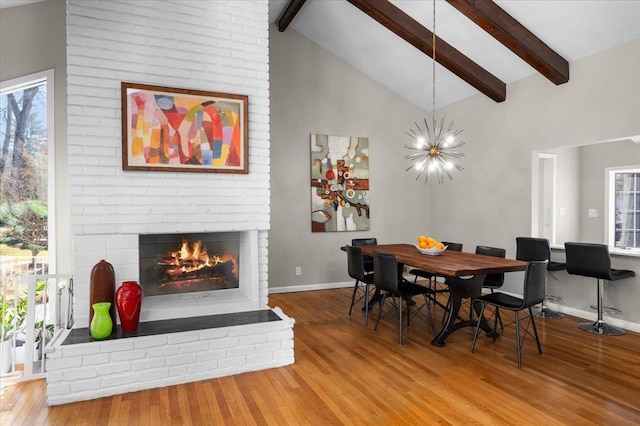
(101, 324)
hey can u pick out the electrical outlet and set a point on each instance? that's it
(593, 212)
(563, 211)
(298, 270)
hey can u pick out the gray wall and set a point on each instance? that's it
(491, 202)
(33, 39)
(312, 91)
(488, 203)
(567, 197)
(593, 161)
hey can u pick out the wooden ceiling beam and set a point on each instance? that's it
(511, 33)
(289, 13)
(420, 37)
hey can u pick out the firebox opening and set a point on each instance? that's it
(186, 263)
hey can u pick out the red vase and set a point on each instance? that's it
(129, 300)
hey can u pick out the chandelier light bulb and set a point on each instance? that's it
(439, 152)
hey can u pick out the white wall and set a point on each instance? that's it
(219, 46)
(313, 91)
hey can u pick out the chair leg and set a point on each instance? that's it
(400, 317)
(477, 328)
(353, 296)
(384, 297)
(498, 318)
(518, 343)
(366, 304)
(535, 330)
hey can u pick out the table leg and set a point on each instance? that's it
(461, 288)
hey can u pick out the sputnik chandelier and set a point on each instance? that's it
(435, 147)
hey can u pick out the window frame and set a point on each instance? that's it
(23, 82)
(610, 217)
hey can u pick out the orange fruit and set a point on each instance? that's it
(431, 240)
(423, 245)
(440, 246)
(422, 238)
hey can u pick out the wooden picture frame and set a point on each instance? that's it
(182, 130)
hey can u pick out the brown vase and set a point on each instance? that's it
(103, 288)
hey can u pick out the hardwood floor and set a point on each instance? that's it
(346, 374)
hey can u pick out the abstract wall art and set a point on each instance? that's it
(339, 183)
(168, 129)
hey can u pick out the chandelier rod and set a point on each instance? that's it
(433, 73)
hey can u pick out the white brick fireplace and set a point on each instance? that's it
(219, 46)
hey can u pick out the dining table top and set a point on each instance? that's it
(448, 263)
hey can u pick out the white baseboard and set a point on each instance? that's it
(593, 316)
(587, 315)
(309, 287)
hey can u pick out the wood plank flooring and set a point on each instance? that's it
(347, 374)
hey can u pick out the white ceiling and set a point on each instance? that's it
(11, 3)
(573, 28)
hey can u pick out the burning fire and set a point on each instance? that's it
(189, 258)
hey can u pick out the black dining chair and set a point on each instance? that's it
(535, 279)
(368, 260)
(493, 281)
(528, 249)
(368, 267)
(364, 279)
(388, 278)
(594, 261)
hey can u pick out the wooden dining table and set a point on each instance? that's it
(465, 273)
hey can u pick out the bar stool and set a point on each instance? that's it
(534, 249)
(594, 260)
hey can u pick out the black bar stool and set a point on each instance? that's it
(535, 249)
(593, 260)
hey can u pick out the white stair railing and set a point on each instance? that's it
(36, 308)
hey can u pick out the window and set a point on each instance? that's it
(623, 193)
(27, 174)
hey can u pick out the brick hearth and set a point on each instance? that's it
(94, 369)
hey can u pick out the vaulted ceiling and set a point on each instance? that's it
(351, 29)
(481, 46)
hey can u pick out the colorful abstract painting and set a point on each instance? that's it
(339, 183)
(167, 129)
